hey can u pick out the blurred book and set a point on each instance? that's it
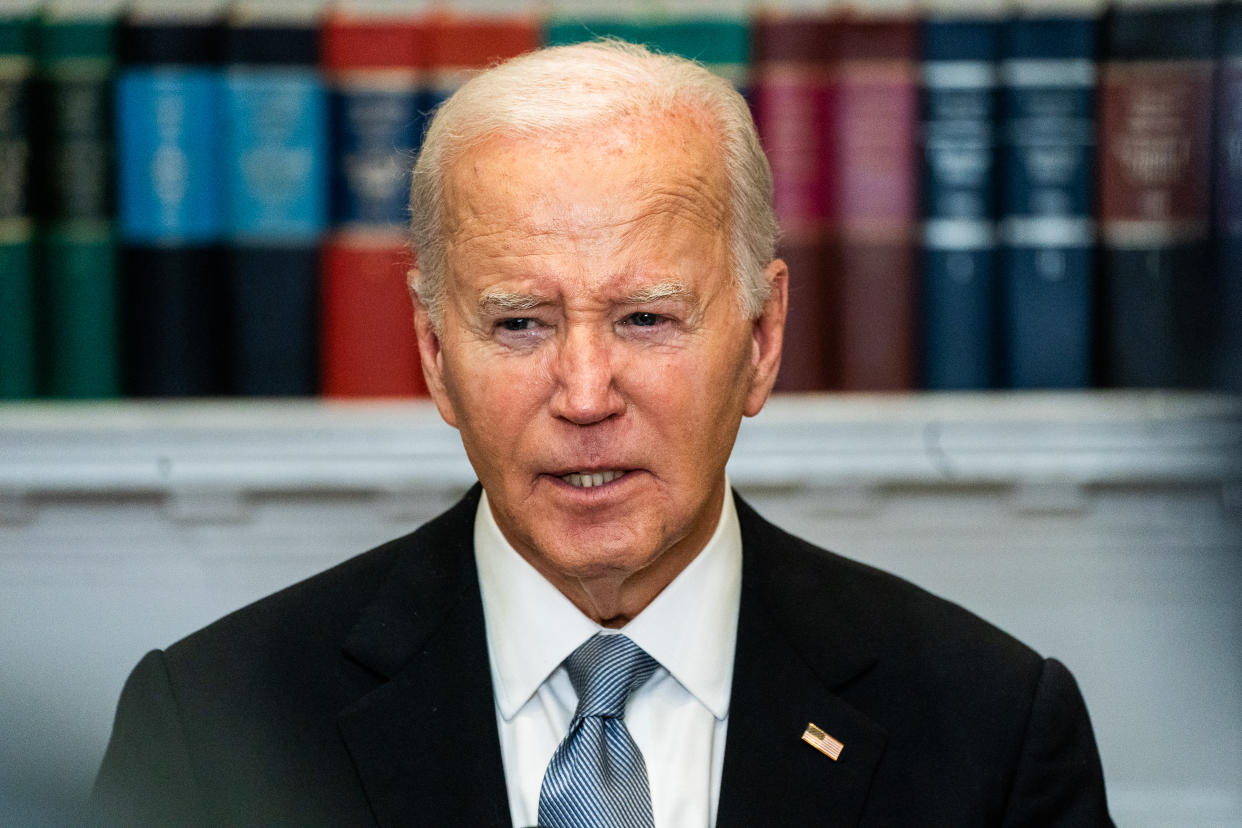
(169, 128)
(792, 94)
(1227, 351)
(275, 162)
(875, 172)
(74, 199)
(376, 57)
(1155, 110)
(18, 359)
(960, 332)
(1048, 76)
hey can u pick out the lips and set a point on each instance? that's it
(586, 480)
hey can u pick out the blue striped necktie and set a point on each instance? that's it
(597, 777)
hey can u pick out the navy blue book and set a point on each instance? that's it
(1047, 232)
(1157, 276)
(1227, 373)
(169, 100)
(275, 164)
(959, 260)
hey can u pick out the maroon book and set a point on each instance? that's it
(791, 94)
(874, 173)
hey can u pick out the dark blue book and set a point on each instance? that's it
(959, 259)
(1158, 285)
(1227, 362)
(1047, 231)
(275, 165)
(169, 108)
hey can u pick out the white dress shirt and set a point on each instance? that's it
(678, 718)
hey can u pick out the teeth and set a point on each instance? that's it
(581, 480)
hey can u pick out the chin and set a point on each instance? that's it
(591, 558)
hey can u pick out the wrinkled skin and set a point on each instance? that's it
(591, 326)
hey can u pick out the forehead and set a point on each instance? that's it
(619, 184)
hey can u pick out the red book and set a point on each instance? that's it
(376, 70)
(367, 319)
(792, 97)
(874, 169)
(462, 45)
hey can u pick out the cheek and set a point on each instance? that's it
(502, 392)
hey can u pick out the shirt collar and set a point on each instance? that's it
(690, 627)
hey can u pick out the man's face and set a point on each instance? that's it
(592, 351)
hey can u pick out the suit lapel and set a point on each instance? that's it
(424, 741)
(793, 652)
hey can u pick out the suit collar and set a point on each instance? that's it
(424, 741)
(796, 647)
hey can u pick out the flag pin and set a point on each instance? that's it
(821, 741)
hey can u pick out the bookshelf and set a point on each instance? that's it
(974, 195)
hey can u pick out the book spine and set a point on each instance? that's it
(463, 45)
(721, 43)
(18, 358)
(169, 104)
(376, 72)
(793, 101)
(1155, 137)
(1047, 229)
(876, 159)
(959, 338)
(276, 177)
(77, 255)
(1227, 373)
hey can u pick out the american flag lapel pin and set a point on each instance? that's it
(821, 741)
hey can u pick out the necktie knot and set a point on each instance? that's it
(604, 671)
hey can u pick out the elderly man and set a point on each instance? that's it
(600, 633)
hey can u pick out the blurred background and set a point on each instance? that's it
(1012, 364)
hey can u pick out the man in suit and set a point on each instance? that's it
(597, 307)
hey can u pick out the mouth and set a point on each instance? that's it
(587, 480)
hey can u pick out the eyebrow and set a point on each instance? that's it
(506, 301)
(499, 301)
(656, 292)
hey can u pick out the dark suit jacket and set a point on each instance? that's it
(363, 695)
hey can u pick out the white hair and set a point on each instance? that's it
(575, 88)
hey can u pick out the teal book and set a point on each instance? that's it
(721, 43)
(75, 48)
(18, 368)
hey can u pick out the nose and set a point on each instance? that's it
(586, 388)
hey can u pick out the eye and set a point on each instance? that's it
(644, 319)
(519, 323)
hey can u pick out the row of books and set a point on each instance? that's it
(198, 199)
(1018, 200)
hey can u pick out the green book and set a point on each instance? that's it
(721, 43)
(76, 246)
(18, 371)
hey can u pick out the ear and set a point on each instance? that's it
(430, 352)
(767, 335)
